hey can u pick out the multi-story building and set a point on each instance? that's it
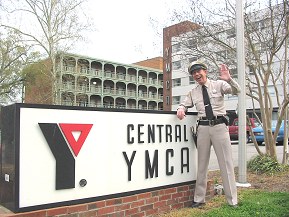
(181, 43)
(86, 81)
(177, 81)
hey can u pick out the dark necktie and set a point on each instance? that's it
(208, 107)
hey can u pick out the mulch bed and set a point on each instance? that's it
(278, 182)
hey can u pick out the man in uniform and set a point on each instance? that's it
(212, 128)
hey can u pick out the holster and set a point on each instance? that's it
(226, 119)
(195, 134)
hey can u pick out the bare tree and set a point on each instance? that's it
(266, 36)
(54, 25)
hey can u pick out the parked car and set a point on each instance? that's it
(234, 129)
(259, 133)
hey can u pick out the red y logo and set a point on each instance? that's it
(68, 129)
(65, 162)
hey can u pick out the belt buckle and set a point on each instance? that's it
(212, 123)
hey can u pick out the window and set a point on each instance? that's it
(261, 24)
(271, 90)
(251, 69)
(221, 35)
(221, 55)
(192, 43)
(176, 100)
(257, 47)
(176, 82)
(191, 80)
(232, 97)
(176, 65)
(176, 47)
(266, 46)
(234, 72)
(192, 59)
(231, 33)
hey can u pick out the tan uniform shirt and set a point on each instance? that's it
(216, 90)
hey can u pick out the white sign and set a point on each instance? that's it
(78, 154)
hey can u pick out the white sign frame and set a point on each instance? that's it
(116, 139)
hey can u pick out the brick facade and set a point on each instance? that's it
(155, 63)
(146, 204)
(168, 34)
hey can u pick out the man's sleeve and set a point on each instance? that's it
(187, 102)
(233, 87)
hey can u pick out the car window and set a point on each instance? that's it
(274, 123)
(257, 124)
(282, 124)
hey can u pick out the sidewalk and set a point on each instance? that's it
(4, 211)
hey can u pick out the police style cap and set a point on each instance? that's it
(196, 65)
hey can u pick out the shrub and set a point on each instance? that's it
(265, 164)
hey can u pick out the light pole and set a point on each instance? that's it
(242, 155)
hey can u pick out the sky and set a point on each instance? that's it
(123, 30)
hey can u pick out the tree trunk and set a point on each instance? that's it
(253, 137)
(285, 142)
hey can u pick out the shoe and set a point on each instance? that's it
(234, 206)
(195, 204)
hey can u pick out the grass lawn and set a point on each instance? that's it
(252, 203)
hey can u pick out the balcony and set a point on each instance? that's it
(95, 72)
(142, 94)
(120, 76)
(68, 86)
(131, 93)
(108, 74)
(120, 92)
(83, 88)
(142, 80)
(107, 90)
(70, 69)
(131, 78)
(95, 89)
(84, 70)
(152, 95)
(67, 102)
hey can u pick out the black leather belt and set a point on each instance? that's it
(215, 117)
(213, 122)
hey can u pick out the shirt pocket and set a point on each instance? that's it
(199, 104)
(217, 99)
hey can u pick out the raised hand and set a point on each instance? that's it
(224, 73)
